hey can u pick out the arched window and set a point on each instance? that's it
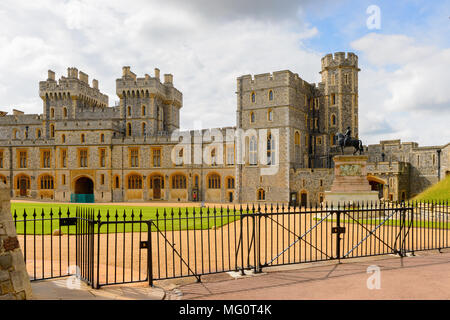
(297, 138)
(253, 97)
(47, 182)
(144, 111)
(38, 133)
(3, 179)
(144, 128)
(270, 95)
(333, 119)
(129, 111)
(52, 112)
(178, 181)
(129, 129)
(52, 131)
(134, 182)
(196, 181)
(252, 117)
(230, 183)
(83, 140)
(65, 112)
(261, 194)
(214, 181)
(14, 134)
(253, 150)
(63, 138)
(102, 137)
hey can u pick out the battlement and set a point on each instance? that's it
(340, 59)
(75, 85)
(130, 84)
(267, 80)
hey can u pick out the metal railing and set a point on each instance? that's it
(107, 247)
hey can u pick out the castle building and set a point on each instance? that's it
(82, 150)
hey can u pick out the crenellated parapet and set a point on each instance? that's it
(340, 59)
(74, 86)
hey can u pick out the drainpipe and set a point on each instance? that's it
(439, 164)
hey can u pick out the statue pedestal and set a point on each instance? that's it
(350, 181)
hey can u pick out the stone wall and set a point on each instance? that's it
(14, 279)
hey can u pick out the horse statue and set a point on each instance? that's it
(351, 142)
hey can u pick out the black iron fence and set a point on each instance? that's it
(125, 246)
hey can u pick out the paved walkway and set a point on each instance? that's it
(424, 276)
(65, 289)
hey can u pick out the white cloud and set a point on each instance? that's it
(403, 90)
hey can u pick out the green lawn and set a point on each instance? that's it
(174, 219)
(437, 192)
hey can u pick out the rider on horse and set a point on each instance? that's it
(348, 134)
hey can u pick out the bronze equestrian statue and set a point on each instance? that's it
(347, 141)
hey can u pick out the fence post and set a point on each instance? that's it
(338, 236)
(149, 254)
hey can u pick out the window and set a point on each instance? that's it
(38, 133)
(46, 182)
(102, 137)
(52, 131)
(252, 117)
(83, 139)
(134, 157)
(253, 97)
(116, 182)
(83, 158)
(64, 158)
(14, 134)
(25, 180)
(45, 160)
(129, 129)
(65, 112)
(156, 157)
(297, 138)
(102, 179)
(270, 95)
(129, 111)
(102, 157)
(253, 150)
(63, 179)
(3, 179)
(196, 181)
(270, 150)
(63, 138)
(179, 159)
(143, 110)
(134, 182)
(270, 115)
(333, 119)
(346, 78)
(214, 181)
(319, 141)
(178, 181)
(22, 159)
(52, 112)
(333, 99)
(230, 183)
(1, 159)
(144, 128)
(261, 194)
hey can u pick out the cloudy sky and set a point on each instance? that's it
(404, 55)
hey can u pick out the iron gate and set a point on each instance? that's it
(123, 247)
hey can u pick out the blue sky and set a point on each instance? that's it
(206, 45)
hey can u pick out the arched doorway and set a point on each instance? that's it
(303, 198)
(376, 184)
(23, 184)
(84, 190)
(156, 184)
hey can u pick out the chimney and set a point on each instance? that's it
(168, 79)
(125, 71)
(72, 73)
(157, 74)
(95, 84)
(51, 75)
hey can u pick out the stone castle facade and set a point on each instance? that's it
(281, 149)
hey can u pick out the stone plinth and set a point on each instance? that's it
(350, 181)
(14, 279)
